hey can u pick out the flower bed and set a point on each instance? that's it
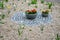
(31, 14)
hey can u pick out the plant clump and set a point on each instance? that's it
(31, 11)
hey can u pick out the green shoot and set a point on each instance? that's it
(42, 1)
(1, 22)
(58, 37)
(33, 1)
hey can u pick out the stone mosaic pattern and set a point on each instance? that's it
(20, 16)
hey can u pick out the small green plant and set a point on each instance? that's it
(49, 5)
(29, 4)
(36, 6)
(33, 1)
(42, 28)
(58, 37)
(8, 12)
(42, 1)
(1, 5)
(1, 36)
(20, 30)
(30, 30)
(2, 16)
(1, 22)
(6, 0)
